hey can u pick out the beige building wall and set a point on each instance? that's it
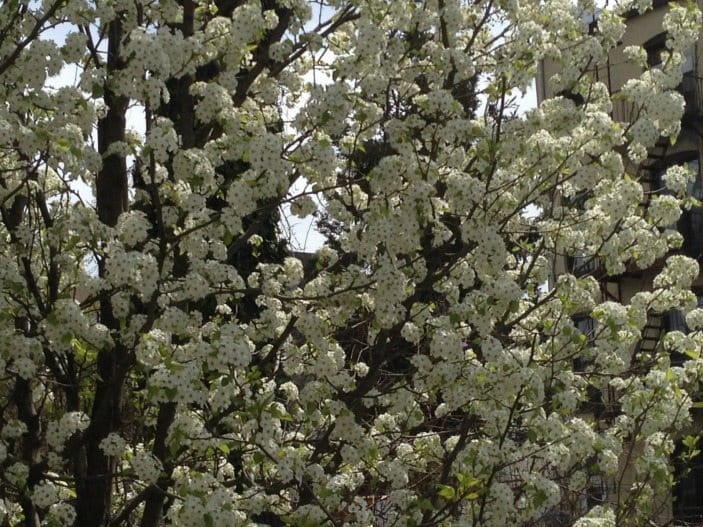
(640, 29)
(643, 29)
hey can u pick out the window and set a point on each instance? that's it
(596, 494)
(695, 187)
(581, 264)
(690, 86)
(587, 326)
(688, 62)
(690, 225)
(675, 320)
(655, 48)
(590, 20)
(691, 161)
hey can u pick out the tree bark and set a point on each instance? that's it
(95, 472)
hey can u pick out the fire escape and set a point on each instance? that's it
(688, 492)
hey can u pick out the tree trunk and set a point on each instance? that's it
(95, 474)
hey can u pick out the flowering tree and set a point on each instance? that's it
(166, 359)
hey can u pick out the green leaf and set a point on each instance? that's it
(540, 498)
(171, 393)
(669, 375)
(690, 441)
(63, 143)
(693, 354)
(466, 482)
(253, 375)
(97, 90)
(446, 492)
(424, 505)
(175, 443)
(228, 237)
(325, 492)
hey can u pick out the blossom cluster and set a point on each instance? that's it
(167, 349)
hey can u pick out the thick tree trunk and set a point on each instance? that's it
(31, 447)
(111, 188)
(154, 504)
(94, 470)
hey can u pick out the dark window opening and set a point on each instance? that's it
(581, 265)
(587, 326)
(688, 489)
(596, 494)
(655, 48)
(675, 320)
(690, 224)
(690, 86)
(656, 51)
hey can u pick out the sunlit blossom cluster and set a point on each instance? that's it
(166, 347)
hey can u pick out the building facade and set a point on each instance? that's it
(685, 506)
